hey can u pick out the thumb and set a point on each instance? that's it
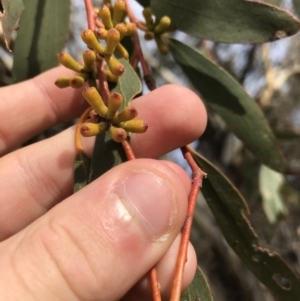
(100, 241)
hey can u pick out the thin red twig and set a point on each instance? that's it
(90, 14)
(154, 284)
(197, 177)
(137, 46)
(128, 150)
(153, 272)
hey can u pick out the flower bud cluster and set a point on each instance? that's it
(117, 123)
(112, 31)
(156, 29)
(85, 72)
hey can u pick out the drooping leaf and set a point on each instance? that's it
(230, 21)
(274, 2)
(198, 289)
(81, 170)
(144, 3)
(106, 155)
(44, 27)
(12, 11)
(270, 183)
(231, 213)
(226, 97)
(296, 4)
(129, 84)
(286, 134)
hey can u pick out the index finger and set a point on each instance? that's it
(30, 107)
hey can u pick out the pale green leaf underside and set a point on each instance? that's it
(11, 15)
(198, 289)
(270, 183)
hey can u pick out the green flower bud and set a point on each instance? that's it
(114, 102)
(105, 16)
(101, 33)
(89, 58)
(116, 68)
(131, 29)
(122, 51)
(126, 114)
(163, 25)
(66, 60)
(89, 129)
(112, 40)
(149, 35)
(93, 97)
(135, 126)
(89, 38)
(147, 13)
(63, 82)
(110, 77)
(77, 81)
(122, 29)
(117, 134)
(119, 12)
(161, 45)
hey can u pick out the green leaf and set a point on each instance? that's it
(107, 154)
(144, 3)
(198, 289)
(270, 184)
(286, 134)
(129, 84)
(44, 27)
(226, 97)
(230, 21)
(274, 2)
(11, 15)
(231, 213)
(296, 4)
(81, 170)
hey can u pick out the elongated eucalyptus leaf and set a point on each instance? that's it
(296, 4)
(230, 21)
(231, 213)
(81, 170)
(226, 97)
(274, 2)
(270, 183)
(129, 84)
(11, 15)
(106, 155)
(44, 27)
(144, 3)
(198, 289)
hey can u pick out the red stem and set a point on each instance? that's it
(197, 177)
(153, 272)
(137, 46)
(154, 284)
(128, 150)
(90, 14)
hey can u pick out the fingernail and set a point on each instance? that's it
(149, 198)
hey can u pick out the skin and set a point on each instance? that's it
(95, 244)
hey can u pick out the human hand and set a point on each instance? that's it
(99, 243)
